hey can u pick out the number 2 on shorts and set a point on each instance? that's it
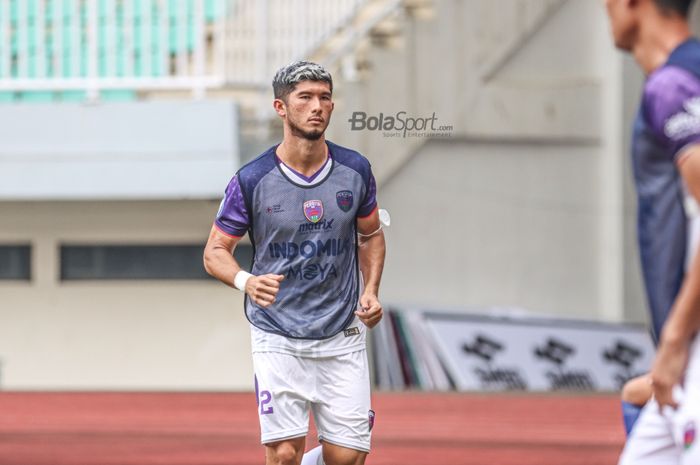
(265, 399)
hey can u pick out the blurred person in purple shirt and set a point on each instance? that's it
(666, 163)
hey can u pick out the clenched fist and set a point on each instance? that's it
(263, 289)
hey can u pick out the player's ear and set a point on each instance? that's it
(280, 107)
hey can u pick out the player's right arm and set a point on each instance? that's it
(220, 263)
(218, 256)
(683, 321)
(231, 224)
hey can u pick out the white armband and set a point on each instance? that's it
(240, 280)
(384, 220)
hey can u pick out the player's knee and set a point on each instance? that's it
(285, 453)
(343, 456)
(637, 391)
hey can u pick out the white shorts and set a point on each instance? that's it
(336, 389)
(669, 437)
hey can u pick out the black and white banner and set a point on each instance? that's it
(495, 354)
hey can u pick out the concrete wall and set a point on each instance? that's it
(117, 334)
(127, 150)
(495, 224)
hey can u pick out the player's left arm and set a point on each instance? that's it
(684, 319)
(372, 250)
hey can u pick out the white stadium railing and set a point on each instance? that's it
(143, 45)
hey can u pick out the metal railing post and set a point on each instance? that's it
(93, 91)
(262, 33)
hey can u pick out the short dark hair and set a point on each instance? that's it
(679, 7)
(287, 78)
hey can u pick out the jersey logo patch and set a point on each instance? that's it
(689, 435)
(344, 199)
(277, 208)
(351, 331)
(686, 123)
(313, 210)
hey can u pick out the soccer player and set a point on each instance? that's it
(304, 203)
(666, 160)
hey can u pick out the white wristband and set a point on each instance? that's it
(241, 279)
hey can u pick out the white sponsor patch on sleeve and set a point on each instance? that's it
(686, 123)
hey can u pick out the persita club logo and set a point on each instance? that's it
(344, 199)
(313, 210)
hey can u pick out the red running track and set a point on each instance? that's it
(222, 429)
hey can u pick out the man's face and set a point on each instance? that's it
(623, 22)
(308, 109)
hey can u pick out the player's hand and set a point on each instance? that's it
(669, 366)
(370, 312)
(263, 289)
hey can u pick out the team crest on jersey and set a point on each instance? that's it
(371, 416)
(689, 435)
(344, 199)
(313, 210)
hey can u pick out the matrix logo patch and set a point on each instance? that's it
(344, 199)
(313, 210)
(561, 376)
(371, 416)
(354, 331)
(689, 435)
(491, 374)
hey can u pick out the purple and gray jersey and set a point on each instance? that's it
(668, 122)
(305, 229)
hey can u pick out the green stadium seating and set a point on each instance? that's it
(72, 96)
(174, 43)
(7, 97)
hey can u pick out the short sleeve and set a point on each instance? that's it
(232, 218)
(369, 203)
(672, 108)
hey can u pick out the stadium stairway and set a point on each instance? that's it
(398, 66)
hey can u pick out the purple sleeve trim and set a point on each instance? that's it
(217, 225)
(232, 218)
(369, 203)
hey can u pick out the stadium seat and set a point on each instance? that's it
(144, 45)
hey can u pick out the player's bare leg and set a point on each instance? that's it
(287, 452)
(339, 455)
